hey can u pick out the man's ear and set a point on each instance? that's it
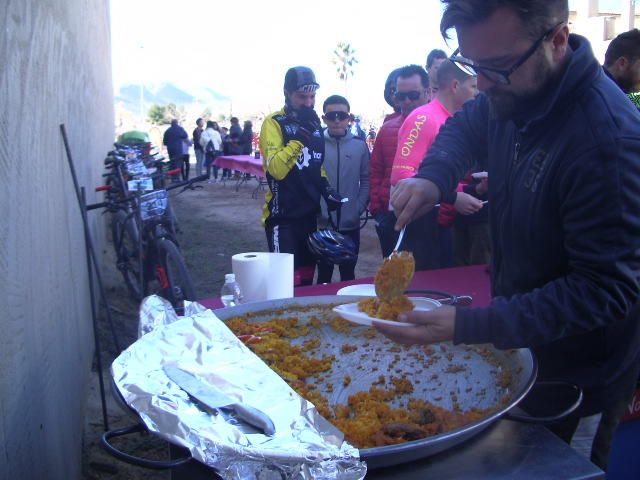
(560, 41)
(621, 64)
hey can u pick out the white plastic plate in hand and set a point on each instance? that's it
(351, 313)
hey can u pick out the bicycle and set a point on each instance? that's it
(144, 238)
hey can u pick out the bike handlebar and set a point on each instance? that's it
(113, 202)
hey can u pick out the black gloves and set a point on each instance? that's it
(302, 134)
(307, 121)
(308, 118)
(333, 198)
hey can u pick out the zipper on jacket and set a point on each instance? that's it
(338, 182)
(507, 203)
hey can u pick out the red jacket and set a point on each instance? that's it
(381, 163)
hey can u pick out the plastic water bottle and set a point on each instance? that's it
(230, 293)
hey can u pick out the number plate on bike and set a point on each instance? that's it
(143, 184)
(153, 204)
(135, 167)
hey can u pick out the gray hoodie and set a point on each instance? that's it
(346, 160)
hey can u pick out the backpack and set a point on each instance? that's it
(209, 147)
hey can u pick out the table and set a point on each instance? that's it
(506, 449)
(472, 281)
(250, 166)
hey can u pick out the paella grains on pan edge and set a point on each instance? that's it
(368, 420)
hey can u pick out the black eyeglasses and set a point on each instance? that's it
(334, 116)
(497, 75)
(412, 95)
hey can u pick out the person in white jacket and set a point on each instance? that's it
(211, 143)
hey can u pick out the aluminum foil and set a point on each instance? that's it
(156, 311)
(305, 445)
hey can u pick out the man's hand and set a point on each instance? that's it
(430, 327)
(308, 118)
(302, 135)
(466, 204)
(333, 199)
(413, 197)
(483, 186)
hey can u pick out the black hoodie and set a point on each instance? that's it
(565, 224)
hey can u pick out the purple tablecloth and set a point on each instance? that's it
(473, 281)
(242, 163)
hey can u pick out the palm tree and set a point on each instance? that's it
(344, 58)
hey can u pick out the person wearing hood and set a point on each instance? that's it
(346, 160)
(292, 148)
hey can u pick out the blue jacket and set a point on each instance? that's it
(564, 192)
(172, 138)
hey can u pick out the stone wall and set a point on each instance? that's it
(55, 67)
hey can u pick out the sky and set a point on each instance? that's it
(243, 49)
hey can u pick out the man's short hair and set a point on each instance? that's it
(434, 55)
(411, 70)
(174, 121)
(626, 44)
(537, 15)
(335, 100)
(448, 72)
(234, 120)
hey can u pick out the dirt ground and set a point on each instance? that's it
(216, 222)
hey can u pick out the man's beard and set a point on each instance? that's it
(627, 84)
(507, 104)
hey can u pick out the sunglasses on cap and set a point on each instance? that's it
(412, 95)
(334, 116)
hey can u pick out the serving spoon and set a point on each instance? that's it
(395, 274)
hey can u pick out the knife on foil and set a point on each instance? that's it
(214, 399)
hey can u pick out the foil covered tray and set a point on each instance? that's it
(304, 445)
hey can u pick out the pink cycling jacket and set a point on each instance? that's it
(415, 136)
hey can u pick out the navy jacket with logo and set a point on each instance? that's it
(564, 190)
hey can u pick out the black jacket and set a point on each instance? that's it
(565, 223)
(172, 138)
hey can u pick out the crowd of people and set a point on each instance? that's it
(209, 141)
(538, 176)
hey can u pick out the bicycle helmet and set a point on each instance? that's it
(331, 246)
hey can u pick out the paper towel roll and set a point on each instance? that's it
(263, 276)
(281, 271)
(252, 271)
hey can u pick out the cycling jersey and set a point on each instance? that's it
(293, 171)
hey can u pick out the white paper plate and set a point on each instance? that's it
(350, 312)
(365, 289)
(480, 175)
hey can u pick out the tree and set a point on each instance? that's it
(157, 114)
(344, 58)
(172, 112)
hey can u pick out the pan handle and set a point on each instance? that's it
(551, 418)
(139, 462)
(445, 298)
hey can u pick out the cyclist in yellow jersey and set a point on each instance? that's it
(292, 148)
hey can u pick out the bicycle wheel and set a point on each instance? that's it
(172, 274)
(125, 242)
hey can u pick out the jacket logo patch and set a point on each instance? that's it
(303, 159)
(534, 174)
(290, 129)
